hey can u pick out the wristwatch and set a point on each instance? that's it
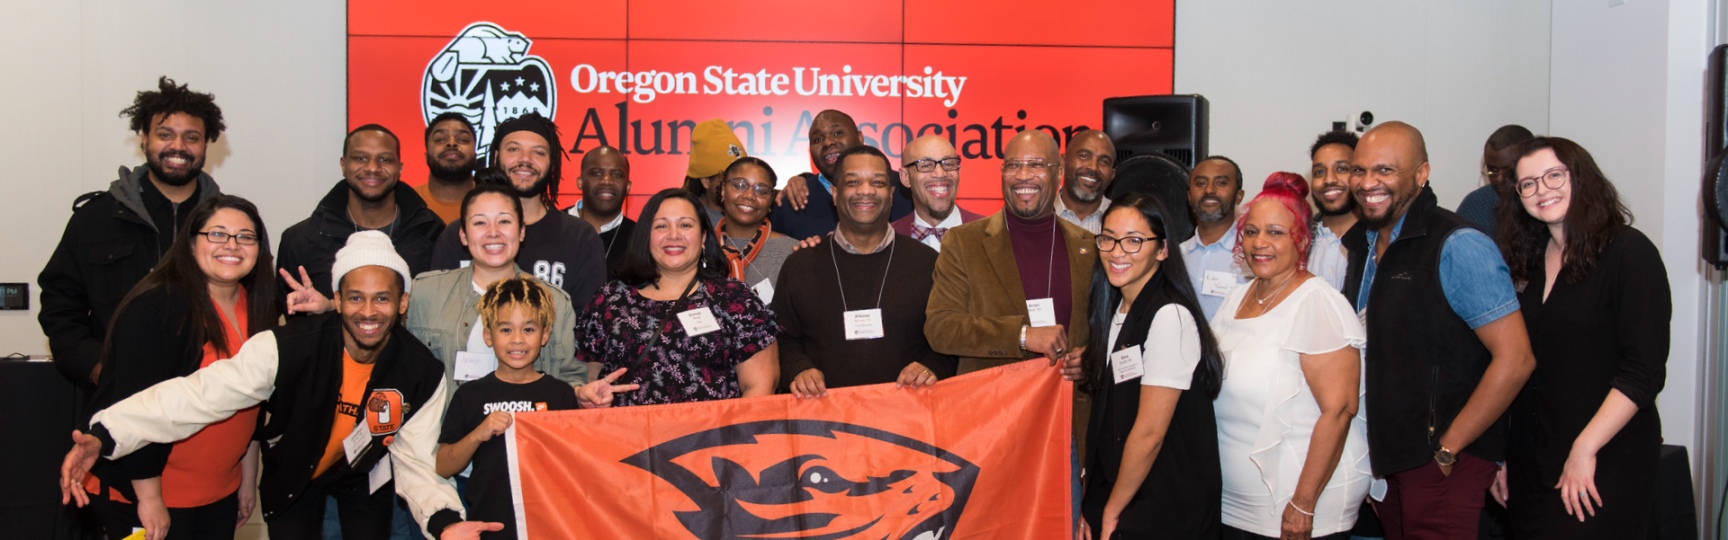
(1444, 457)
(1023, 328)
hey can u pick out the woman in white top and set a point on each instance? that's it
(1293, 450)
(1153, 369)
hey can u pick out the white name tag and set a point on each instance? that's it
(764, 291)
(863, 324)
(356, 440)
(1218, 283)
(1126, 363)
(698, 321)
(1042, 311)
(380, 475)
(472, 365)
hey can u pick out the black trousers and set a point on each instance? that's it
(214, 521)
(363, 515)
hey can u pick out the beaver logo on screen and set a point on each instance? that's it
(812, 479)
(486, 74)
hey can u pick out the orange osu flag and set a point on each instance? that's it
(982, 455)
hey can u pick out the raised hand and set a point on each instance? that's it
(797, 191)
(302, 296)
(599, 393)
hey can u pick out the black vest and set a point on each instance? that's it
(1180, 495)
(1423, 361)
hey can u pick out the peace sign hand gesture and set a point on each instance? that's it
(302, 297)
(598, 393)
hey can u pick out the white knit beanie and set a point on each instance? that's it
(368, 248)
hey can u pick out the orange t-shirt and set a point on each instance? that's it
(205, 467)
(354, 378)
(446, 211)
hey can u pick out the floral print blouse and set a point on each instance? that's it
(678, 368)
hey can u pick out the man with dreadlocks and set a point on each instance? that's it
(116, 236)
(557, 247)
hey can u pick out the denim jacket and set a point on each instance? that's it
(444, 308)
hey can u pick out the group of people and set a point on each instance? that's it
(1336, 339)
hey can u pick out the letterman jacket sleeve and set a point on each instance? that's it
(431, 498)
(177, 408)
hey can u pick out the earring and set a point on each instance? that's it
(704, 261)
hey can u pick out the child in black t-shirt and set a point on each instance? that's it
(518, 314)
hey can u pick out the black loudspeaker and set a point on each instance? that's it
(1164, 179)
(1172, 125)
(1713, 242)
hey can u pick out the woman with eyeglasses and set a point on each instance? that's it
(1153, 369)
(754, 252)
(1293, 449)
(1585, 433)
(214, 289)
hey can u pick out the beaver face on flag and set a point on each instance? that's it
(812, 479)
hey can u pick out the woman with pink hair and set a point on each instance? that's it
(1293, 451)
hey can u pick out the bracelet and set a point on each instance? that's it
(1299, 509)
(1023, 337)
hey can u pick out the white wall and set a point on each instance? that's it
(1277, 74)
(277, 69)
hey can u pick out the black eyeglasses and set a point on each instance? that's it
(1551, 179)
(928, 165)
(1130, 245)
(220, 237)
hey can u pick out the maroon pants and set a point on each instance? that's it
(1423, 504)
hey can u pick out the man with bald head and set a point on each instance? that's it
(605, 185)
(1088, 167)
(805, 207)
(1447, 348)
(932, 174)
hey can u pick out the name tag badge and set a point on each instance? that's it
(1218, 283)
(863, 324)
(380, 475)
(698, 321)
(764, 291)
(356, 441)
(471, 365)
(1042, 311)
(1126, 363)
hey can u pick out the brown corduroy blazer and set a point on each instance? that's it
(977, 304)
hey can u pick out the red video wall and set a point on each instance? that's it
(639, 74)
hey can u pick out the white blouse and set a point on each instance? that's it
(1266, 411)
(1171, 350)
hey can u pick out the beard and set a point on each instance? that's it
(176, 180)
(1212, 216)
(1400, 202)
(1345, 207)
(455, 173)
(535, 190)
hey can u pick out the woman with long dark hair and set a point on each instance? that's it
(1294, 452)
(1582, 458)
(683, 328)
(213, 290)
(1153, 369)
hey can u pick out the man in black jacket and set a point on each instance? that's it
(370, 197)
(355, 403)
(116, 236)
(1447, 350)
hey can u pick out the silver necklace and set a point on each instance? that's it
(1262, 300)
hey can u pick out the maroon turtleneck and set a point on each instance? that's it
(1041, 254)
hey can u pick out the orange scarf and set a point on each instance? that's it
(741, 259)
